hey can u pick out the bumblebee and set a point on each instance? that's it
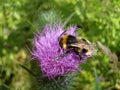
(77, 44)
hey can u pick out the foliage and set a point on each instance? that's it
(99, 21)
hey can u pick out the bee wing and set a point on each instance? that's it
(79, 45)
(84, 44)
(82, 40)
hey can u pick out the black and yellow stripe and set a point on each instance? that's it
(67, 40)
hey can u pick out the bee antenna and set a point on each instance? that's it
(61, 35)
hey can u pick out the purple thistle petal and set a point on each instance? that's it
(46, 48)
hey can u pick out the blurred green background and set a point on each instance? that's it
(99, 21)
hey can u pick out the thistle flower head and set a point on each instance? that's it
(46, 48)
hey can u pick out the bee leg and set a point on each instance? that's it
(61, 56)
(80, 57)
(76, 52)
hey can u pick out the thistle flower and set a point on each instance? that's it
(46, 48)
